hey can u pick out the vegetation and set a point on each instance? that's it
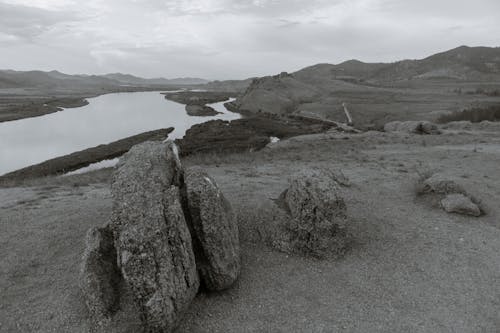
(474, 115)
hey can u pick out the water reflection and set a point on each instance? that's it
(105, 119)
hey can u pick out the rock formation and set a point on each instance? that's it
(148, 246)
(312, 217)
(215, 231)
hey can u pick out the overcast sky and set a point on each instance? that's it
(220, 39)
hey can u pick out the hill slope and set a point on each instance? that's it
(377, 90)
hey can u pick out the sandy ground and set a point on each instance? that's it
(412, 267)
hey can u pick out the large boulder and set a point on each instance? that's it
(214, 229)
(414, 127)
(460, 204)
(313, 218)
(99, 275)
(152, 239)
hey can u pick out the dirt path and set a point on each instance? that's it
(412, 268)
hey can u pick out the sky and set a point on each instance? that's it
(223, 39)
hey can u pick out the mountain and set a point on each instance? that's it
(462, 63)
(322, 89)
(134, 80)
(55, 80)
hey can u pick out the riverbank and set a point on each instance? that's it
(77, 160)
(412, 266)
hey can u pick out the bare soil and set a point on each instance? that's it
(412, 267)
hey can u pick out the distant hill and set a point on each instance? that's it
(57, 80)
(462, 63)
(236, 86)
(130, 79)
(51, 80)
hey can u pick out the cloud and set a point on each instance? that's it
(23, 22)
(221, 39)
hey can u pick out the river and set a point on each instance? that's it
(105, 119)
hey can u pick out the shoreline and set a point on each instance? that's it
(251, 132)
(80, 159)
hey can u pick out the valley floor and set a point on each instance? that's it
(412, 267)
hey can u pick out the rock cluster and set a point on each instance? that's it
(414, 127)
(312, 218)
(450, 195)
(169, 229)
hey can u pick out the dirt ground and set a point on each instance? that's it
(412, 267)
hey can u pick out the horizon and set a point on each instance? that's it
(221, 39)
(230, 78)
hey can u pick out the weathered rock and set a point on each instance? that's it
(317, 219)
(214, 229)
(460, 204)
(152, 238)
(415, 127)
(99, 275)
(200, 110)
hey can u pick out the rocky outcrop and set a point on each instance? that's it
(152, 239)
(312, 217)
(99, 275)
(414, 127)
(201, 110)
(460, 204)
(149, 248)
(215, 232)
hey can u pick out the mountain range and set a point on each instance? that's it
(55, 79)
(378, 92)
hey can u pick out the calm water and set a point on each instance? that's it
(107, 118)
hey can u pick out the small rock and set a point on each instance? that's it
(99, 275)
(214, 231)
(460, 204)
(317, 218)
(441, 184)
